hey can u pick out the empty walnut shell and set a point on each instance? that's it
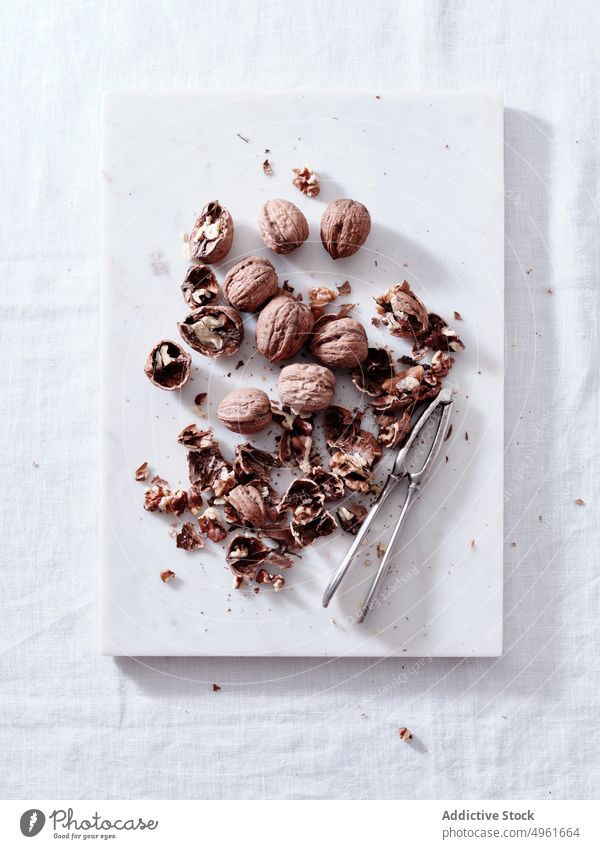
(245, 410)
(339, 342)
(345, 226)
(168, 365)
(214, 331)
(200, 286)
(306, 388)
(282, 226)
(212, 234)
(283, 327)
(250, 283)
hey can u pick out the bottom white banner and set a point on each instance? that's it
(292, 824)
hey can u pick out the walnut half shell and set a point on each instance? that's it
(212, 234)
(245, 410)
(168, 365)
(200, 286)
(214, 331)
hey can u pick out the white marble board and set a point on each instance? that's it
(429, 167)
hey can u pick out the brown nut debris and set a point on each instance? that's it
(282, 226)
(339, 341)
(306, 388)
(212, 234)
(141, 473)
(341, 426)
(404, 734)
(372, 373)
(214, 331)
(200, 286)
(331, 486)
(353, 469)
(305, 499)
(250, 283)
(306, 181)
(245, 555)
(191, 437)
(167, 575)
(245, 507)
(194, 500)
(188, 538)
(168, 365)
(245, 410)
(296, 443)
(345, 226)
(253, 463)
(283, 327)
(207, 468)
(160, 497)
(210, 523)
(351, 516)
(306, 534)
(393, 431)
(406, 316)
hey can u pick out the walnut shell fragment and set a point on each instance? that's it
(246, 554)
(189, 539)
(306, 534)
(160, 497)
(331, 486)
(212, 234)
(296, 444)
(250, 283)
(305, 500)
(373, 372)
(345, 226)
(245, 410)
(351, 516)
(206, 466)
(339, 341)
(214, 331)
(210, 523)
(168, 365)
(253, 463)
(306, 388)
(283, 327)
(245, 507)
(282, 226)
(200, 286)
(406, 316)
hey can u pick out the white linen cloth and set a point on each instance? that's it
(77, 725)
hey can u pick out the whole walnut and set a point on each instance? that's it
(282, 226)
(245, 410)
(283, 327)
(250, 283)
(306, 388)
(345, 226)
(212, 234)
(339, 341)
